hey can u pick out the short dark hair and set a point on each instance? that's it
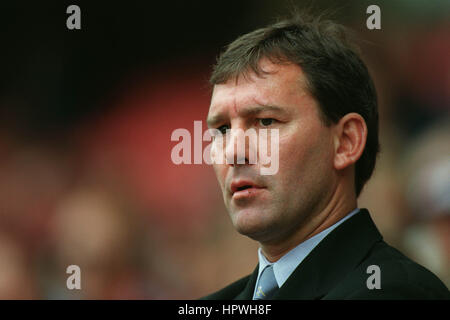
(335, 74)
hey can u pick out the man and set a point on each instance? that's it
(303, 78)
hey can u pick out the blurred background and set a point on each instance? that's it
(86, 118)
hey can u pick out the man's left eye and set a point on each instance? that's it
(266, 121)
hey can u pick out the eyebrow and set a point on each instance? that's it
(220, 117)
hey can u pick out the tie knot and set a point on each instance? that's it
(267, 284)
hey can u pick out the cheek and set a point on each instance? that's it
(290, 168)
(301, 156)
(293, 150)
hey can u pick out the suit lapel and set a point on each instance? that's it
(340, 252)
(247, 293)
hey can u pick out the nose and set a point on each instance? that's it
(240, 147)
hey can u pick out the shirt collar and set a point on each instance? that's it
(284, 267)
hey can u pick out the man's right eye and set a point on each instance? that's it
(223, 129)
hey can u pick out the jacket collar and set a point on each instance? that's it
(247, 293)
(335, 256)
(332, 259)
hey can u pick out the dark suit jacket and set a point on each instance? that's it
(337, 269)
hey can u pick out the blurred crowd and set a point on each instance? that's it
(105, 195)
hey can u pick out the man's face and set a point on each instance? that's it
(276, 205)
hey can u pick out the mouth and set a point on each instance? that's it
(244, 189)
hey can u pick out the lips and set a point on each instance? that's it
(243, 185)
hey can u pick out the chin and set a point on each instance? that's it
(252, 223)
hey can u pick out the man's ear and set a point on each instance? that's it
(349, 140)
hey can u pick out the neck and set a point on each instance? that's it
(336, 209)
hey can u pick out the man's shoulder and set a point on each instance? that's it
(386, 273)
(229, 292)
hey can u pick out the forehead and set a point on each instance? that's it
(283, 85)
